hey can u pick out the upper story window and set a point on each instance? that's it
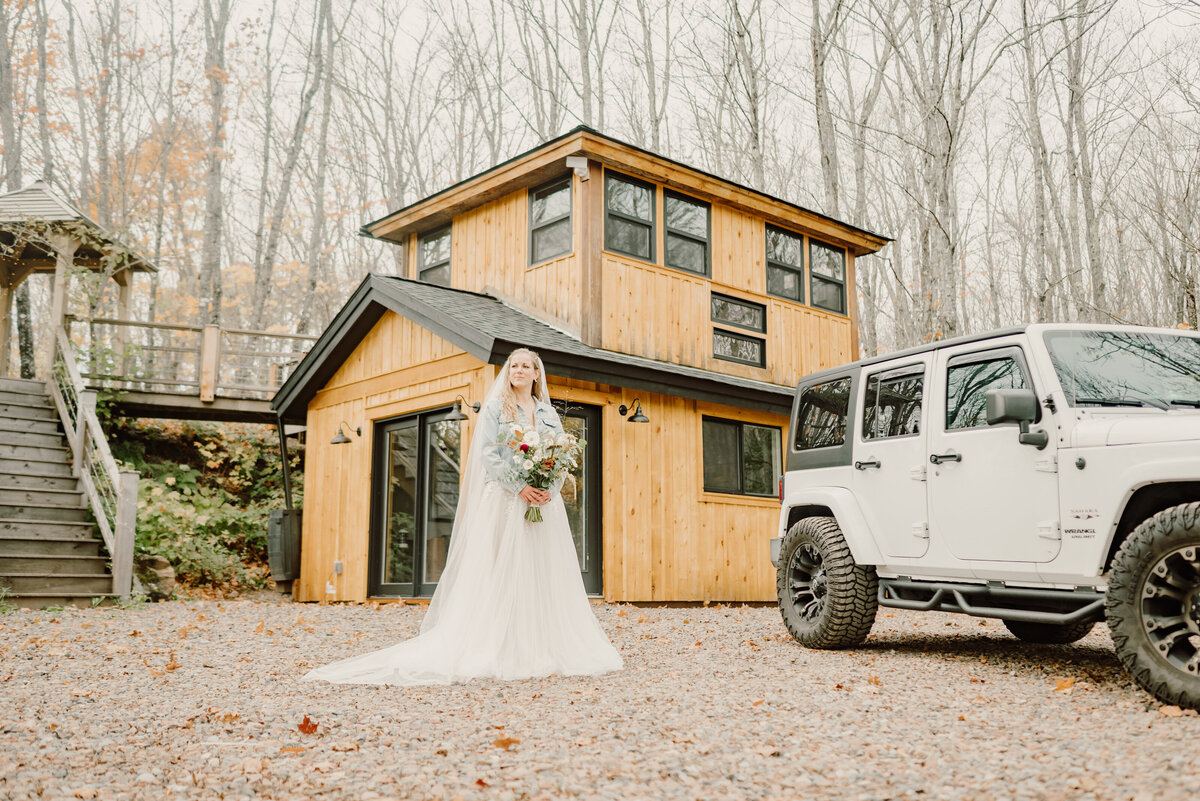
(687, 233)
(628, 216)
(550, 220)
(734, 346)
(827, 268)
(433, 257)
(740, 458)
(785, 264)
(742, 313)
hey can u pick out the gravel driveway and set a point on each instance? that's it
(201, 700)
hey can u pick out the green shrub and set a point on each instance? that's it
(205, 495)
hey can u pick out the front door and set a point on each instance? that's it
(990, 497)
(581, 493)
(416, 477)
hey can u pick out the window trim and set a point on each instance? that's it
(814, 276)
(564, 181)
(889, 374)
(422, 267)
(611, 175)
(669, 231)
(734, 299)
(740, 425)
(796, 269)
(1013, 352)
(738, 335)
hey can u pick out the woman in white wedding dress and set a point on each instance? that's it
(510, 603)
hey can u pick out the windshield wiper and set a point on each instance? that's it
(1155, 402)
(1195, 404)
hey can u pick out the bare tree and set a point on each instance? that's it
(216, 15)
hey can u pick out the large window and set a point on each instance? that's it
(550, 220)
(628, 216)
(687, 233)
(969, 377)
(433, 257)
(741, 458)
(821, 421)
(827, 268)
(892, 407)
(785, 264)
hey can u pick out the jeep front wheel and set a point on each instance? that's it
(827, 599)
(1153, 605)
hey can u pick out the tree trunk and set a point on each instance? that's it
(216, 22)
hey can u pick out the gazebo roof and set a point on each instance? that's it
(40, 205)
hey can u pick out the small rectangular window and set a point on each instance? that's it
(827, 268)
(968, 378)
(821, 421)
(739, 348)
(629, 216)
(741, 458)
(433, 257)
(892, 407)
(785, 264)
(550, 232)
(742, 313)
(686, 233)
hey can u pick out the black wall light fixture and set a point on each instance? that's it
(340, 438)
(637, 416)
(457, 412)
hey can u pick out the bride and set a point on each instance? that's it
(510, 603)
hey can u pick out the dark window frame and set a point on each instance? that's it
(740, 301)
(814, 276)
(422, 267)
(563, 182)
(892, 374)
(796, 269)
(740, 425)
(613, 175)
(1014, 352)
(761, 341)
(668, 232)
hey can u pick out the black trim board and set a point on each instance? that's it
(468, 318)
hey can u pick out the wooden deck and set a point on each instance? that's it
(184, 372)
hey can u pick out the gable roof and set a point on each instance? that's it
(490, 329)
(39, 202)
(547, 161)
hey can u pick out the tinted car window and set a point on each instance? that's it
(967, 385)
(892, 407)
(821, 420)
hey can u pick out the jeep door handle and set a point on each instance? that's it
(938, 458)
(868, 463)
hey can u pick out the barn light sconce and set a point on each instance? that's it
(340, 438)
(457, 412)
(579, 164)
(637, 416)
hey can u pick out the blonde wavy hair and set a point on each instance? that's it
(508, 398)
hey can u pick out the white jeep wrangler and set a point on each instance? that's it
(1047, 476)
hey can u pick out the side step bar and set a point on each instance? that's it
(993, 600)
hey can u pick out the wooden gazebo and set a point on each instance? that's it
(40, 231)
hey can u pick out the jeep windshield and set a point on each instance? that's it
(1127, 368)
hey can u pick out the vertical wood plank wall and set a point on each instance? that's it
(665, 539)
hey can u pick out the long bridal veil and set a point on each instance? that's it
(510, 602)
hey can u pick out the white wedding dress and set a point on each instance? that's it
(510, 603)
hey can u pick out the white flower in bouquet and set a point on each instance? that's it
(528, 465)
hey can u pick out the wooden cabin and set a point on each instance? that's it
(646, 286)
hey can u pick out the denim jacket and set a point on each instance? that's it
(496, 456)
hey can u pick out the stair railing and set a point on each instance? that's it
(111, 491)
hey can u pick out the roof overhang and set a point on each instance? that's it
(377, 295)
(548, 161)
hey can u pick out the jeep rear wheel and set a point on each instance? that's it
(827, 599)
(1049, 633)
(1153, 605)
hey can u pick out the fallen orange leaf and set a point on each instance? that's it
(307, 726)
(292, 749)
(1170, 711)
(1066, 686)
(505, 743)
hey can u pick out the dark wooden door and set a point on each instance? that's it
(581, 494)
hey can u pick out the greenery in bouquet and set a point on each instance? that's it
(541, 461)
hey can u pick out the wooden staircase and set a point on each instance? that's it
(49, 552)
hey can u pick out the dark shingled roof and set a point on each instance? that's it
(490, 329)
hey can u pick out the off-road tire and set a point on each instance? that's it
(827, 599)
(1153, 605)
(1050, 633)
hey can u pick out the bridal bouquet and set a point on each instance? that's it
(540, 461)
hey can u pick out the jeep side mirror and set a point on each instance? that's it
(1016, 406)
